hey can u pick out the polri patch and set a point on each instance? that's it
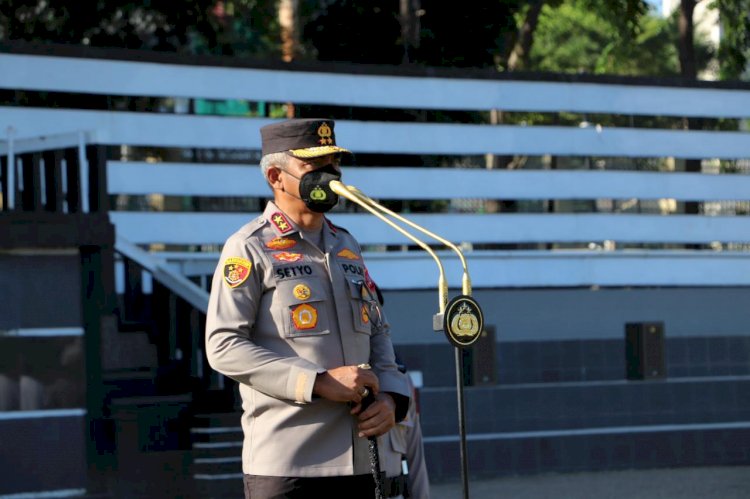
(281, 243)
(285, 256)
(282, 224)
(348, 254)
(236, 271)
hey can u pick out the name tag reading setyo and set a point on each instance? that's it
(290, 271)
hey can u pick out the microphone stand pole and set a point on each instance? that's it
(462, 323)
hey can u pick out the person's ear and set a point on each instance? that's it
(274, 177)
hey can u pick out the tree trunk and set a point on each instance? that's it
(688, 70)
(519, 54)
(288, 22)
(686, 45)
(409, 14)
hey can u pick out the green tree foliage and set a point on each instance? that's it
(207, 26)
(624, 15)
(573, 38)
(734, 47)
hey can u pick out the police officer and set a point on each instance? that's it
(402, 450)
(402, 458)
(289, 318)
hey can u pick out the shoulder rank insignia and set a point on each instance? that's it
(236, 271)
(281, 243)
(282, 224)
(348, 254)
(285, 256)
(304, 317)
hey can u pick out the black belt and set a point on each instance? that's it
(394, 486)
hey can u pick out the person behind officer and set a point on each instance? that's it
(402, 449)
(289, 320)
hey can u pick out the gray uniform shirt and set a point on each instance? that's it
(281, 311)
(404, 441)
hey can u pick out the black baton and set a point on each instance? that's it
(372, 444)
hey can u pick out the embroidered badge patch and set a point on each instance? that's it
(301, 292)
(370, 283)
(283, 225)
(236, 271)
(305, 317)
(348, 254)
(285, 256)
(281, 243)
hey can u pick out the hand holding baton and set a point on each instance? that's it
(372, 442)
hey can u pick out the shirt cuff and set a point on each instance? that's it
(301, 383)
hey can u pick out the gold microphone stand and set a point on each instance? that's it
(461, 318)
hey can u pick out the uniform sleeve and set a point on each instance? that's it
(230, 319)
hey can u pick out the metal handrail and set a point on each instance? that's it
(160, 270)
(15, 146)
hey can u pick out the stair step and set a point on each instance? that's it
(217, 420)
(216, 448)
(216, 434)
(223, 465)
(129, 382)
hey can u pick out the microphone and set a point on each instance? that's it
(464, 321)
(466, 280)
(369, 205)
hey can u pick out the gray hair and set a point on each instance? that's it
(280, 159)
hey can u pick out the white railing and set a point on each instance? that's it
(598, 265)
(67, 74)
(12, 146)
(185, 131)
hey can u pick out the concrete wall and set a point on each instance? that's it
(40, 290)
(579, 314)
(43, 452)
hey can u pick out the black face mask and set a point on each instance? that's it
(313, 187)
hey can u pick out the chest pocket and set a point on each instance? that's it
(365, 310)
(303, 307)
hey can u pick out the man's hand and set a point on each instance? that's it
(378, 418)
(346, 384)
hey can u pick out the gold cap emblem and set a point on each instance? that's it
(325, 132)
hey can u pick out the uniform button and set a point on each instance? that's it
(261, 221)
